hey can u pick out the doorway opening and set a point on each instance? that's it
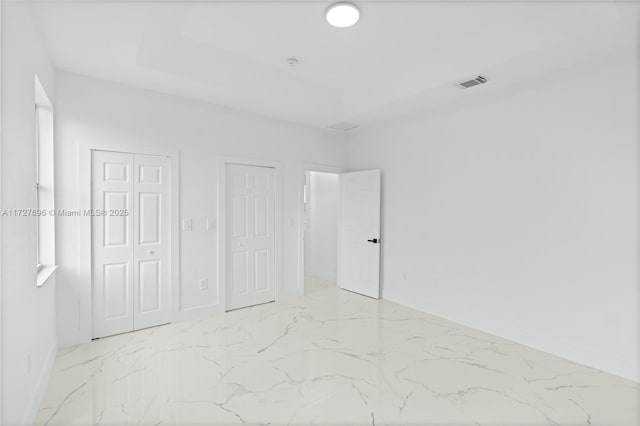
(321, 215)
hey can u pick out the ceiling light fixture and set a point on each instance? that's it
(342, 15)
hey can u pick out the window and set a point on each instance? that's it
(45, 207)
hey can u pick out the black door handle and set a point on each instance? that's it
(374, 241)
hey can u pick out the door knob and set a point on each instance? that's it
(149, 251)
(374, 241)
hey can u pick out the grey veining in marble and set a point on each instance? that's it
(330, 357)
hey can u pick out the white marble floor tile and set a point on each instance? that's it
(313, 285)
(330, 357)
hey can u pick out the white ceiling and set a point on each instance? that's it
(401, 57)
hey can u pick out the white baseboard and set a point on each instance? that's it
(41, 387)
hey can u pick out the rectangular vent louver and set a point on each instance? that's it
(473, 82)
(343, 126)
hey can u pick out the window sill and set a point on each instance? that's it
(44, 274)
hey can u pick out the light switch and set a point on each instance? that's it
(211, 224)
(187, 225)
(204, 284)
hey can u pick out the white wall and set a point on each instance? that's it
(90, 110)
(28, 313)
(321, 239)
(519, 215)
(1, 300)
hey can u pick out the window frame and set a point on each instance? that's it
(39, 264)
(45, 255)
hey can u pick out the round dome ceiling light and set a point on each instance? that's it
(342, 15)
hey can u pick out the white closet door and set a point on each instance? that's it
(151, 222)
(130, 242)
(112, 240)
(250, 235)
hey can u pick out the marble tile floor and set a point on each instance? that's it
(328, 358)
(314, 285)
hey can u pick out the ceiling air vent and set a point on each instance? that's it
(343, 126)
(473, 82)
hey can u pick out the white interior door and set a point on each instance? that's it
(112, 241)
(130, 242)
(359, 261)
(151, 251)
(250, 235)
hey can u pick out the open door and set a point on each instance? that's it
(359, 261)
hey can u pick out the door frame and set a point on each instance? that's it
(222, 236)
(302, 169)
(85, 240)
